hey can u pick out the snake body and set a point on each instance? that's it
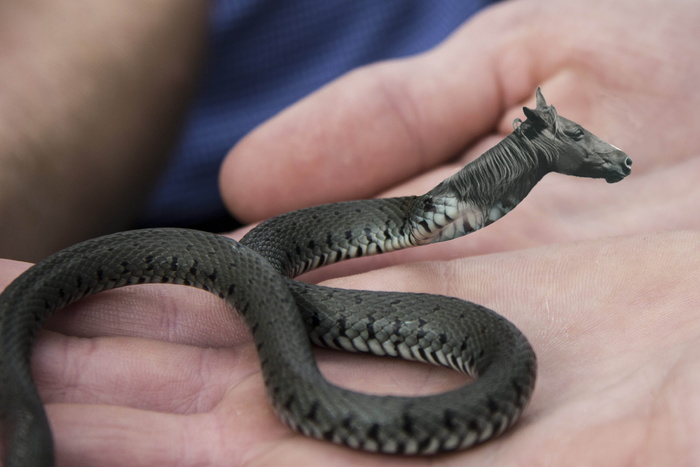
(285, 316)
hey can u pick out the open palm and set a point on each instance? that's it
(173, 377)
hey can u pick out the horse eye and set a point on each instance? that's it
(577, 134)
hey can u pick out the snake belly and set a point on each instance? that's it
(284, 316)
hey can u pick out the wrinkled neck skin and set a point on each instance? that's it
(482, 192)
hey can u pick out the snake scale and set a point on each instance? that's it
(285, 316)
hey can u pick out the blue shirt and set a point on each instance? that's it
(266, 54)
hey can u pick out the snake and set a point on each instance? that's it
(286, 317)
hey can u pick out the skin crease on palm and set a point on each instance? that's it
(163, 375)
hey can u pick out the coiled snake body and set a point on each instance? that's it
(284, 315)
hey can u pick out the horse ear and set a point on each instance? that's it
(541, 103)
(542, 114)
(533, 116)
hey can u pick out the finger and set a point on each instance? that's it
(9, 270)
(172, 313)
(139, 373)
(366, 131)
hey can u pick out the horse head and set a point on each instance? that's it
(578, 151)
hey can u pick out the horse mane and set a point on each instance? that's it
(526, 151)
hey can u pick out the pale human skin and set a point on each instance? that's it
(163, 379)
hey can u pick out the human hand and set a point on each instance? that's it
(166, 375)
(627, 71)
(586, 403)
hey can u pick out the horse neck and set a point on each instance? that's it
(483, 191)
(504, 174)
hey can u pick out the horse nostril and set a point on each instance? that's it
(628, 166)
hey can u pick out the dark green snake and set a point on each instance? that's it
(285, 316)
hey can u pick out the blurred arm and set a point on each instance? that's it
(91, 97)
